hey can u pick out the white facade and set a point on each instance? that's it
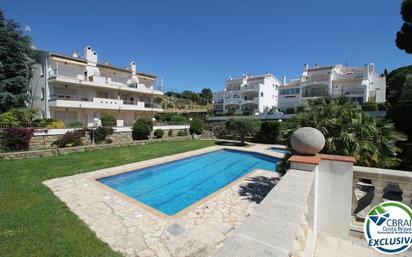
(360, 84)
(247, 94)
(75, 89)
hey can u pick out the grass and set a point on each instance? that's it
(33, 222)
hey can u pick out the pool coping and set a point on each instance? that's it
(175, 157)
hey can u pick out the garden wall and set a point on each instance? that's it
(43, 139)
(86, 148)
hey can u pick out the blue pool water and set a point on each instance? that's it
(173, 186)
(279, 150)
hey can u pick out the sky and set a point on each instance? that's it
(193, 44)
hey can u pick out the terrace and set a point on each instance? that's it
(315, 209)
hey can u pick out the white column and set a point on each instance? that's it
(334, 188)
(378, 192)
(406, 193)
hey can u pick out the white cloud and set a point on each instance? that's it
(27, 28)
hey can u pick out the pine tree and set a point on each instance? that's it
(404, 36)
(16, 59)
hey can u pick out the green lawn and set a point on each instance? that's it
(33, 222)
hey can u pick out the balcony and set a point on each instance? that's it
(100, 103)
(250, 88)
(115, 82)
(254, 100)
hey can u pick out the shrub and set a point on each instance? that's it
(70, 139)
(182, 133)
(247, 113)
(54, 124)
(7, 117)
(369, 106)
(100, 134)
(350, 131)
(196, 127)
(242, 127)
(16, 139)
(382, 106)
(108, 120)
(170, 133)
(146, 120)
(158, 133)
(142, 128)
(269, 132)
(178, 120)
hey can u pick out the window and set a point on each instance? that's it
(261, 94)
(290, 91)
(42, 94)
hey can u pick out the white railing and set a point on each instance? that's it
(109, 80)
(372, 186)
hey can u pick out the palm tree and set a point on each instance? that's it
(350, 131)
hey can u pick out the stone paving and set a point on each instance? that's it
(132, 229)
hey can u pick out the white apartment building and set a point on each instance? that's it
(360, 84)
(80, 89)
(247, 94)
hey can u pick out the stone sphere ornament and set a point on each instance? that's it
(307, 141)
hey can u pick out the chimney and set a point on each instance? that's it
(75, 54)
(132, 67)
(90, 55)
(371, 67)
(305, 67)
(284, 80)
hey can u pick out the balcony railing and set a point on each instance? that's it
(101, 100)
(372, 186)
(110, 80)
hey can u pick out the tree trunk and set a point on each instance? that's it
(242, 139)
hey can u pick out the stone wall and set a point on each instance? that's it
(42, 141)
(53, 151)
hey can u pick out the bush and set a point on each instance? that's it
(108, 120)
(146, 120)
(142, 128)
(54, 124)
(401, 115)
(100, 134)
(70, 139)
(7, 117)
(196, 127)
(242, 127)
(269, 132)
(158, 133)
(369, 106)
(182, 133)
(247, 113)
(382, 106)
(177, 120)
(170, 133)
(16, 139)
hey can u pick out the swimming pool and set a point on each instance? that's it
(279, 150)
(174, 186)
